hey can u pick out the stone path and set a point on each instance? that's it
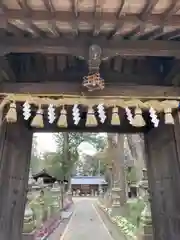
(86, 223)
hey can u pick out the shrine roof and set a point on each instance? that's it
(42, 174)
(91, 180)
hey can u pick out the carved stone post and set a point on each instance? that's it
(146, 219)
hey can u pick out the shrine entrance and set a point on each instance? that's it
(162, 148)
(90, 66)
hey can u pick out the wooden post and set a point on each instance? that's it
(163, 164)
(15, 154)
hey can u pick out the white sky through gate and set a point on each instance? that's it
(46, 143)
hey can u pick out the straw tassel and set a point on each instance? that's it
(115, 117)
(168, 116)
(62, 121)
(138, 120)
(37, 121)
(11, 115)
(91, 120)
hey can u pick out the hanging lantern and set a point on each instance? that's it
(93, 82)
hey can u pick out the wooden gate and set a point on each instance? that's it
(50, 48)
(163, 164)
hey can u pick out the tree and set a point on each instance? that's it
(36, 162)
(90, 165)
(137, 148)
(62, 163)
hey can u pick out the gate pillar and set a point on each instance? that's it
(163, 165)
(15, 153)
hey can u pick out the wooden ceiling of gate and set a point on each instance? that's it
(49, 40)
(132, 19)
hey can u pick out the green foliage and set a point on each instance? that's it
(36, 161)
(131, 175)
(135, 207)
(91, 166)
(38, 211)
(52, 163)
(126, 227)
(62, 163)
(128, 222)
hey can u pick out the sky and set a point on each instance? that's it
(46, 143)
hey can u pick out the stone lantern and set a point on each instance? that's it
(56, 195)
(29, 223)
(116, 197)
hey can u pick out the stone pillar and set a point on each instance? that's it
(146, 219)
(15, 154)
(69, 195)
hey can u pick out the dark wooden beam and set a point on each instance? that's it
(119, 12)
(50, 7)
(97, 17)
(80, 46)
(30, 27)
(153, 34)
(171, 10)
(173, 77)
(171, 35)
(143, 16)
(106, 127)
(120, 22)
(134, 33)
(111, 77)
(146, 12)
(9, 26)
(12, 28)
(59, 88)
(75, 11)
(6, 71)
